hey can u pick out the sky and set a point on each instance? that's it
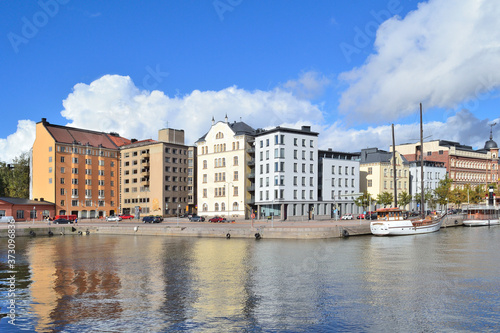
(349, 69)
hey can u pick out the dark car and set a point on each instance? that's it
(151, 219)
(371, 215)
(197, 218)
(61, 221)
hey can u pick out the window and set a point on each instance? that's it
(50, 170)
(88, 171)
(369, 183)
(62, 159)
(235, 177)
(295, 167)
(75, 159)
(235, 160)
(74, 171)
(333, 169)
(303, 142)
(311, 156)
(295, 152)
(20, 214)
(295, 142)
(235, 191)
(370, 171)
(333, 182)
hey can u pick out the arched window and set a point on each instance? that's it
(235, 206)
(224, 162)
(205, 207)
(224, 147)
(215, 163)
(223, 206)
(216, 207)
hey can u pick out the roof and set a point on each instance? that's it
(239, 128)
(375, 155)
(71, 135)
(23, 201)
(305, 130)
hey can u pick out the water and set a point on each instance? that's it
(446, 282)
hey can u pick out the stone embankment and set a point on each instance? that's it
(237, 229)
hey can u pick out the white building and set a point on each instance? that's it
(225, 170)
(339, 183)
(433, 173)
(286, 173)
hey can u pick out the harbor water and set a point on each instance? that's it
(448, 281)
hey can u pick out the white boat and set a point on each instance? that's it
(477, 216)
(394, 222)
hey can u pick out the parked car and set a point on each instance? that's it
(216, 219)
(152, 219)
(127, 216)
(346, 217)
(197, 218)
(7, 219)
(113, 218)
(62, 221)
(361, 216)
(371, 216)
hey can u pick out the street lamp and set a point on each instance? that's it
(178, 209)
(34, 213)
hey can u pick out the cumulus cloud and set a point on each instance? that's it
(463, 127)
(443, 54)
(309, 85)
(19, 142)
(114, 103)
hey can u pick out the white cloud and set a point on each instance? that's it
(442, 54)
(309, 85)
(463, 128)
(19, 142)
(114, 103)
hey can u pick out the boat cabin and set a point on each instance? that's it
(391, 214)
(482, 213)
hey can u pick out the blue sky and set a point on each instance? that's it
(349, 69)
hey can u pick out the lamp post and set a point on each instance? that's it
(178, 208)
(34, 213)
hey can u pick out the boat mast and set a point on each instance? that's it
(421, 164)
(394, 167)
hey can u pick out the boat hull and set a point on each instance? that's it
(404, 227)
(480, 223)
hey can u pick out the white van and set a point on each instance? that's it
(7, 219)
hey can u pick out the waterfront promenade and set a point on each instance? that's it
(312, 229)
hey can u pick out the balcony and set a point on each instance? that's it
(74, 196)
(251, 150)
(251, 162)
(251, 188)
(101, 197)
(251, 201)
(251, 175)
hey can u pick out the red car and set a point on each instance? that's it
(216, 219)
(127, 216)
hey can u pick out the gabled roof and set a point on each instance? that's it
(71, 135)
(23, 201)
(239, 128)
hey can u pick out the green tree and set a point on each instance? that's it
(363, 200)
(442, 192)
(430, 200)
(17, 177)
(404, 199)
(385, 198)
(4, 177)
(458, 196)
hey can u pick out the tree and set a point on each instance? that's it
(385, 198)
(15, 178)
(404, 199)
(430, 200)
(442, 192)
(363, 200)
(458, 196)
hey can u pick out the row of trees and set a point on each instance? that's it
(15, 177)
(442, 195)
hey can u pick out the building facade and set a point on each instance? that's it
(433, 173)
(464, 165)
(226, 170)
(76, 169)
(154, 176)
(338, 183)
(26, 210)
(286, 172)
(377, 173)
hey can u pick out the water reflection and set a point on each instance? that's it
(443, 281)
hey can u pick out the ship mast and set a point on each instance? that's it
(394, 168)
(421, 164)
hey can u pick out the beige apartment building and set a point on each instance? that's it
(76, 169)
(377, 175)
(157, 177)
(226, 173)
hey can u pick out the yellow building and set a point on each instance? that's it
(377, 172)
(226, 176)
(157, 176)
(77, 169)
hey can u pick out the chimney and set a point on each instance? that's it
(306, 128)
(226, 118)
(213, 120)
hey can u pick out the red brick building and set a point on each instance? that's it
(464, 165)
(25, 209)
